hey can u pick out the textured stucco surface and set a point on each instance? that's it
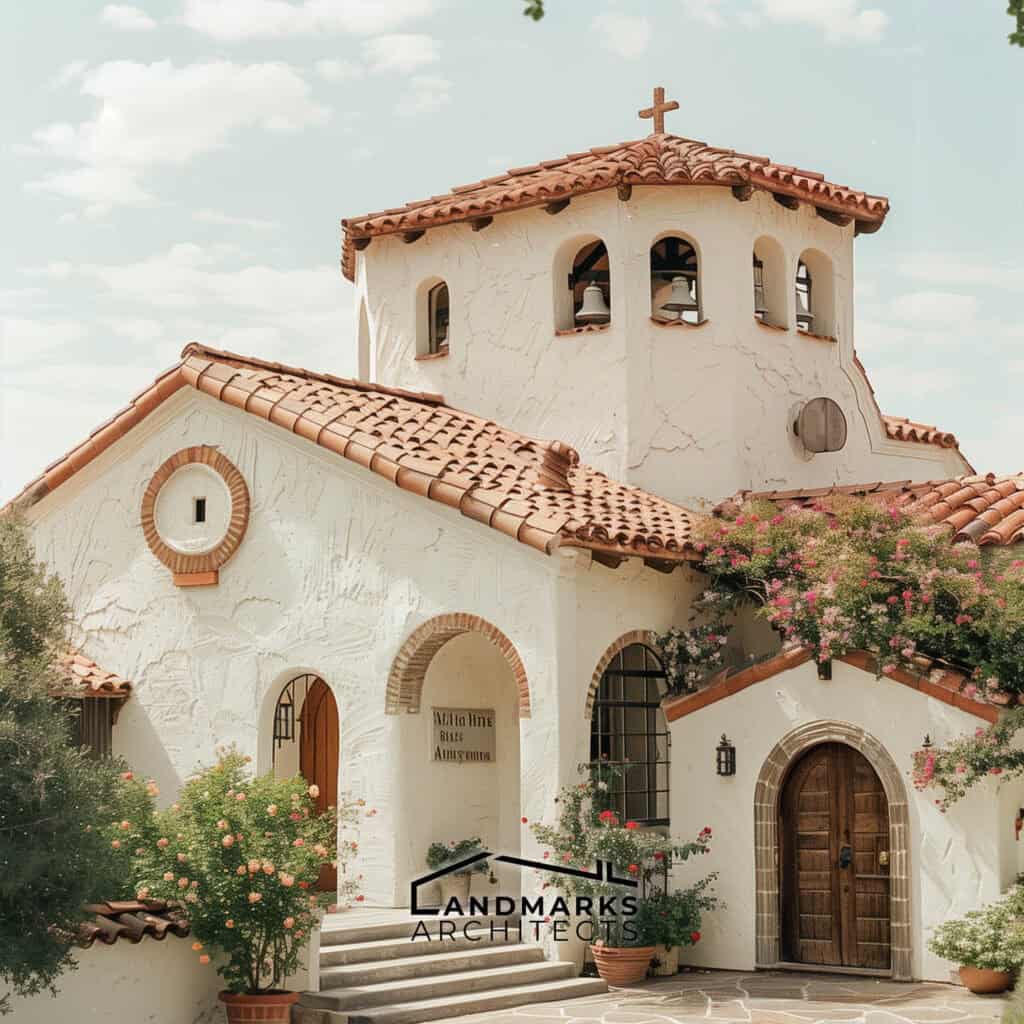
(688, 413)
(958, 860)
(151, 983)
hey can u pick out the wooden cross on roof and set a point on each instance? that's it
(658, 109)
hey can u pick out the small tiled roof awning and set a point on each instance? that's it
(132, 920)
(899, 428)
(659, 159)
(532, 490)
(82, 677)
(985, 509)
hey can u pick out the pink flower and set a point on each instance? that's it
(240, 870)
(152, 789)
(228, 840)
(183, 882)
(255, 897)
(314, 791)
(116, 844)
(196, 946)
(289, 922)
(127, 776)
(299, 842)
(222, 825)
(268, 867)
(229, 923)
(168, 876)
(239, 796)
(631, 825)
(204, 959)
(254, 866)
(125, 825)
(287, 880)
(272, 809)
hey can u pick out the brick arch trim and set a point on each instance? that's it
(646, 637)
(409, 669)
(767, 911)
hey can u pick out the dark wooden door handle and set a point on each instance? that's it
(845, 856)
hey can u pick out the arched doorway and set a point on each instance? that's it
(834, 861)
(306, 741)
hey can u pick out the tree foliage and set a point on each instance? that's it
(1016, 10)
(52, 796)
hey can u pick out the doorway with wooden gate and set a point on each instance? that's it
(306, 743)
(834, 862)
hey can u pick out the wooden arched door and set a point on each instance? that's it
(834, 837)
(318, 756)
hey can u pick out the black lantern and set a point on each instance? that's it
(927, 741)
(726, 761)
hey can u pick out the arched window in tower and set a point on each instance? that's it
(629, 735)
(590, 284)
(437, 314)
(804, 302)
(769, 287)
(675, 281)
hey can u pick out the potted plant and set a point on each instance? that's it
(671, 920)
(988, 943)
(456, 884)
(589, 831)
(242, 855)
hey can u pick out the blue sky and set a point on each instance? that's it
(175, 170)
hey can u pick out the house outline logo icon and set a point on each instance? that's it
(604, 872)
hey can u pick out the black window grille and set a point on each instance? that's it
(629, 731)
(91, 724)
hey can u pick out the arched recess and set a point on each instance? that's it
(770, 305)
(409, 669)
(646, 637)
(433, 317)
(676, 292)
(767, 910)
(814, 288)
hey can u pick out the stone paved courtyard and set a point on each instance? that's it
(763, 998)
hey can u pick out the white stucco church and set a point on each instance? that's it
(560, 370)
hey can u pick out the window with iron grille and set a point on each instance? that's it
(629, 730)
(91, 724)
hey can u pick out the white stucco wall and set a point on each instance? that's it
(690, 414)
(958, 860)
(149, 983)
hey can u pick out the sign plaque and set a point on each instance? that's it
(463, 735)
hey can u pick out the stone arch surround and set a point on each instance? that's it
(646, 637)
(773, 772)
(409, 669)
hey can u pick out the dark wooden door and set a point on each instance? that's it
(318, 756)
(834, 836)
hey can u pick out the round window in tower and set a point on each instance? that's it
(194, 514)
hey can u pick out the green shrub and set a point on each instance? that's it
(992, 938)
(440, 855)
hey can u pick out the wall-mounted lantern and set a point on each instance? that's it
(725, 762)
(927, 741)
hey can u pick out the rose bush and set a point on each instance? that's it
(243, 855)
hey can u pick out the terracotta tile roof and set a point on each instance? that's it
(132, 920)
(84, 678)
(899, 428)
(656, 160)
(985, 509)
(533, 490)
(931, 678)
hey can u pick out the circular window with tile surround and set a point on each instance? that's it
(195, 512)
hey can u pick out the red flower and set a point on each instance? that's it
(524, 820)
(659, 855)
(359, 898)
(695, 936)
(633, 869)
(631, 825)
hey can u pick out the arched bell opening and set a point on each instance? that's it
(583, 290)
(815, 294)
(675, 280)
(769, 283)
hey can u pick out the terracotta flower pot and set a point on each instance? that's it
(268, 1008)
(982, 981)
(622, 966)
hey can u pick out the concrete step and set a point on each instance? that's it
(353, 933)
(450, 1005)
(400, 948)
(408, 990)
(371, 973)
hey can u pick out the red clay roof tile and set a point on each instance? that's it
(461, 460)
(656, 160)
(985, 509)
(84, 678)
(132, 920)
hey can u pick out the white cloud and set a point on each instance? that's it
(227, 220)
(426, 95)
(622, 34)
(940, 268)
(400, 52)
(232, 20)
(935, 308)
(127, 18)
(23, 340)
(338, 70)
(707, 12)
(68, 73)
(840, 20)
(136, 328)
(152, 115)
